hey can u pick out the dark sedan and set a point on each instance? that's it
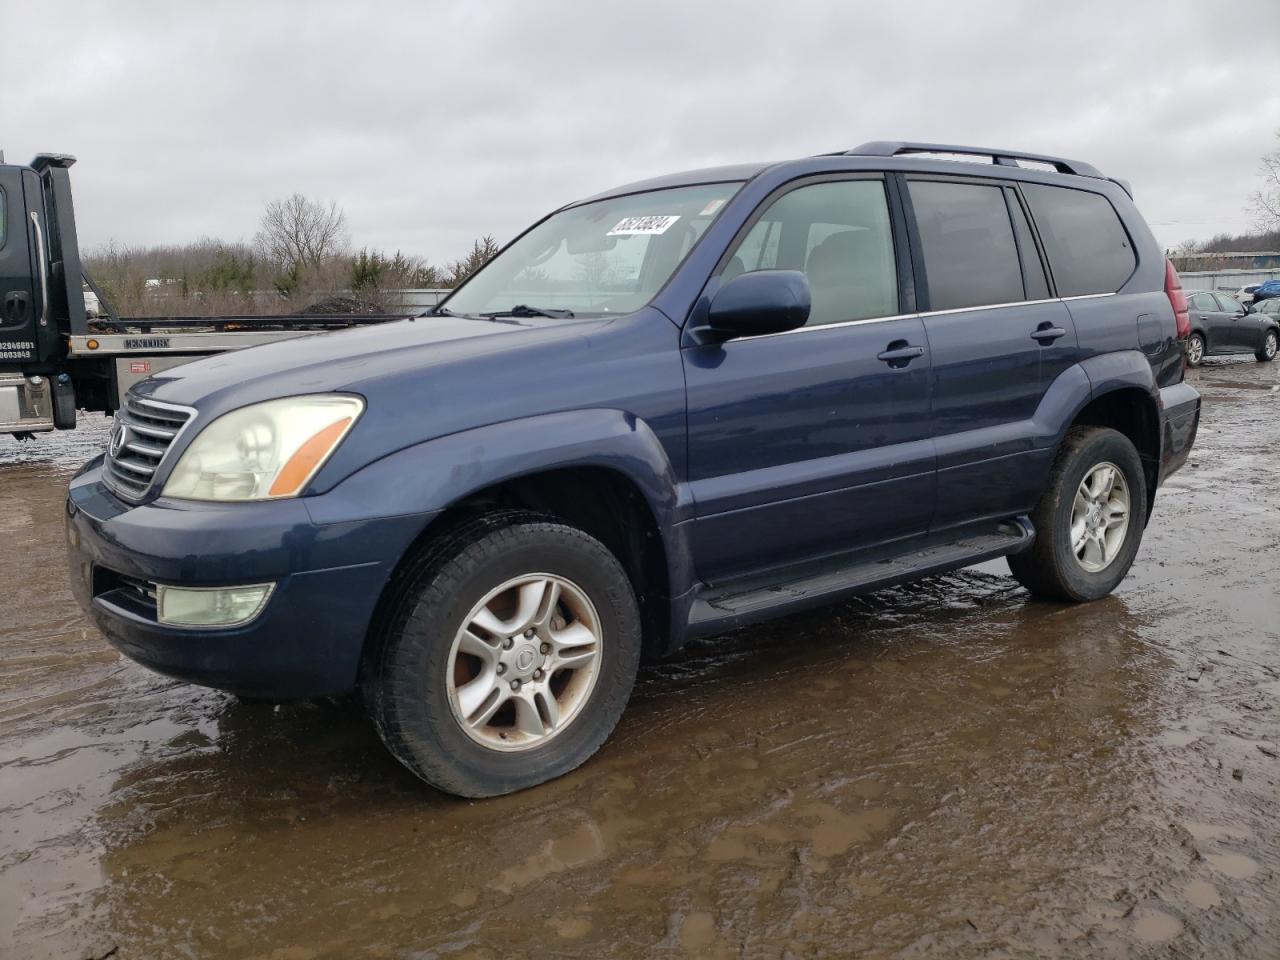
(1220, 325)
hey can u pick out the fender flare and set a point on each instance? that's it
(1091, 379)
(1079, 385)
(421, 481)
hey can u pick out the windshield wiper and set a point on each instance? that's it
(524, 310)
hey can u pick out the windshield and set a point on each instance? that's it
(611, 256)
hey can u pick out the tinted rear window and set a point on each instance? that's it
(970, 257)
(1088, 248)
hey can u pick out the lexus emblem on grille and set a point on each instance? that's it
(119, 436)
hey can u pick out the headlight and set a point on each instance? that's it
(265, 450)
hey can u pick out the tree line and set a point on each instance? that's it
(300, 259)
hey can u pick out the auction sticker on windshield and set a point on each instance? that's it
(639, 226)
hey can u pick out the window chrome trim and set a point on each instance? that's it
(923, 314)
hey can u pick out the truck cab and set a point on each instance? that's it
(40, 295)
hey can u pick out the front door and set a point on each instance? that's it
(1243, 331)
(18, 294)
(816, 441)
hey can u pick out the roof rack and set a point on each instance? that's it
(1006, 158)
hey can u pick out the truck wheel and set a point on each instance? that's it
(1267, 352)
(507, 655)
(1195, 350)
(1089, 520)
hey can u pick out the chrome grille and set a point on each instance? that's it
(141, 434)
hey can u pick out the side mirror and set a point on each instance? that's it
(764, 301)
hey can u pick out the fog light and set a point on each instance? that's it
(210, 606)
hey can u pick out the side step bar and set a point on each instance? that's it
(729, 605)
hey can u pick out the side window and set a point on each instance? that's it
(1089, 250)
(1227, 304)
(1203, 302)
(1033, 278)
(970, 257)
(838, 233)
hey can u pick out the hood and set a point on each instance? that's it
(342, 360)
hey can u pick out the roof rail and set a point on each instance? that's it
(1007, 158)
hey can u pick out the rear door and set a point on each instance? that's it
(1207, 314)
(996, 338)
(18, 303)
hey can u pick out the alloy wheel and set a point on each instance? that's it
(1100, 517)
(524, 662)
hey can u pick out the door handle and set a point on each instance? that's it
(1046, 333)
(900, 353)
(15, 305)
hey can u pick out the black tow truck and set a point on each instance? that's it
(54, 358)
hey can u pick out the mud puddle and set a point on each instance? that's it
(943, 769)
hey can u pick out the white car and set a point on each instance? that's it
(1245, 293)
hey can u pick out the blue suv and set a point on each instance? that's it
(672, 409)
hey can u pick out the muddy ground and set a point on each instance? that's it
(942, 770)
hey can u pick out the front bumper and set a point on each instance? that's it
(308, 638)
(1179, 421)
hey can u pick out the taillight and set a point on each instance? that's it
(1177, 299)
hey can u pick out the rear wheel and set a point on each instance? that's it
(1267, 352)
(1195, 349)
(507, 657)
(1089, 521)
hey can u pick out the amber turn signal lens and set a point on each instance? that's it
(303, 463)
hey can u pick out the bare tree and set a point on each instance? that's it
(297, 233)
(1266, 202)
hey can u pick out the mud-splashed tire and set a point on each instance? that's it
(1270, 345)
(1050, 569)
(403, 678)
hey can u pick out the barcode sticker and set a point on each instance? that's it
(641, 226)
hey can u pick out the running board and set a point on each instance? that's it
(728, 605)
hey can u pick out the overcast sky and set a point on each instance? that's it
(432, 123)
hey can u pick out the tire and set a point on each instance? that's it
(1270, 343)
(1051, 568)
(1195, 349)
(419, 662)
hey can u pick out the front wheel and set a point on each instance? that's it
(1195, 350)
(1267, 352)
(1089, 520)
(507, 657)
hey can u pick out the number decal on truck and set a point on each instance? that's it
(17, 350)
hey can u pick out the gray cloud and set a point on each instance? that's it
(432, 123)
